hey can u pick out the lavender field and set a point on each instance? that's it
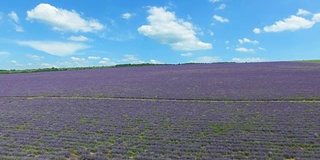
(200, 111)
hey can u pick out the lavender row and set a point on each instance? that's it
(274, 80)
(120, 129)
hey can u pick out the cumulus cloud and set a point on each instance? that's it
(106, 61)
(103, 62)
(47, 65)
(54, 47)
(93, 58)
(262, 49)
(243, 49)
(63, 20)
(256, 30)
(292, 23)
(128, 58)
(248, 50)
(220, 19)
(127, 15)
(316, 17)
(152, 61)
(166, 28)
(76, 59)
(71, 62)
(35, 57)
(221, 7)
(16, 63)
(246, 40)
(207, 59)
(302, 12)
(186, 54)
(242, 60)
(79, 38)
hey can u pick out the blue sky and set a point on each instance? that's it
(47, 33)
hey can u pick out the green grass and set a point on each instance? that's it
(311, 61)
(222, 128)
(22, 126)
(84, 120)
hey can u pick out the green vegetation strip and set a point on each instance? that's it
(14, 71)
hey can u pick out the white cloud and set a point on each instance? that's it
(227, 42)
(47, 65)
(35, 57)
(104, 61)
(76, 59)
(63, 20)
(243, 49)
(167, 29)
(54, 47)
(206, 59)
(262, 49)
(152, 61)
(241, 60)
(18, 28)
(302, 12)
(316, 17)
(93, 58)
(221, 19)
(16, 63)
(4, 53)
(127, 15)
(107, 62)
(221, 7)
(79, 38)
(257, 30)
(131, 59)
(13, 15)
(292, 23)
(71, 62)
(186, 54)
(210, 33)
(1, 15)
(246, 40)
(214, 1)
(74, 62)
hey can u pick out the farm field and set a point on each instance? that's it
(265, 110)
